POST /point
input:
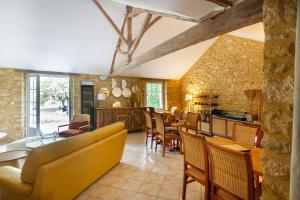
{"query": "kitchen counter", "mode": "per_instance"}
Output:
(235, 120)
(223, 127)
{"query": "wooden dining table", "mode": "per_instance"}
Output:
(255, 153)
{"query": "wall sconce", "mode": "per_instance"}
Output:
(188, 97)
(101, 97)
(103, 93)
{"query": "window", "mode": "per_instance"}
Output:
(154, 95)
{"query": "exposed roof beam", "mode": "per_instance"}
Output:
(153, 22)
(243, 14)
(129, 31)
(223, 3)
(101, 9)
(135, 12)
(190, 19)
(117, 47)
(141, 33)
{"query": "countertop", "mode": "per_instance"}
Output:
(246, 122)
(105, 108)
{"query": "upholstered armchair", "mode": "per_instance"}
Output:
(80, 123)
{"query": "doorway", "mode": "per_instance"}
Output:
(48, 104)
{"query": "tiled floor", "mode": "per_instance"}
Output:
(143, 175)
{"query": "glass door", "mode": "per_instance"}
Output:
(33, 118)
(48, 103)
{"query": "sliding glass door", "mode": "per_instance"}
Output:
(48, 103)
(33, 118)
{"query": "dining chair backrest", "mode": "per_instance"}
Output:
(151, 110)
(184, 115)
(195, 153)
(192, 121)
(148, 119)
(178, 115)
(246, 135)
(231, 173)
(160, 126)
(173, 109)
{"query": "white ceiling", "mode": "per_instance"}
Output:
(72, 36)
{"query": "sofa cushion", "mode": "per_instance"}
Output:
(47, 153)
(109, 130)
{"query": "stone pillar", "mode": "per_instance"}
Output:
(279, 20)
(295, 161)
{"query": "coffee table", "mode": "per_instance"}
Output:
(11, 158)
(11, 153)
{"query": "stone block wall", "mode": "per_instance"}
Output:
(278, 89)
(98, 84)
(229, 67)
(12, 104)
(173, 94)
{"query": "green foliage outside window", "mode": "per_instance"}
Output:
(55, 90)
(154, 95)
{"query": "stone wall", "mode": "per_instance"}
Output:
(279, 24)
(228, 68)
(98, 84)
(172, 94)
(12, 104)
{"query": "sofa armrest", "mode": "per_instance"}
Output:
(10, 178)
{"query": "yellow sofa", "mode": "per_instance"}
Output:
(61, 170)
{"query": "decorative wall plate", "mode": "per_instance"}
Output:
(117, 92)
(113, 83)
(123, 83)
(126, 92)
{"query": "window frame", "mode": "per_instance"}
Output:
(162, 83)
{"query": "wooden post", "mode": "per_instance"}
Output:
(295, 160)
(98, 5)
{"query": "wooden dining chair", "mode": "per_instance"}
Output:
(191, 122)
(177, 121)
(165, 135)
(149, 128)
(195, 162)
(246, 135)
(232, 175)
(151, 110)
(178, 115)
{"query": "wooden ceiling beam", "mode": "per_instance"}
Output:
(153, 22)
(129, 31)
(243, 14)
(136, 12)
(141, 33)
(190, 19)
(117, 47)
(223, 3)
(111, 22)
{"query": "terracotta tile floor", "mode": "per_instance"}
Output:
(143, 174)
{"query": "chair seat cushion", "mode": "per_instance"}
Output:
(171, 129)
(70, 132)
(177, 124)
